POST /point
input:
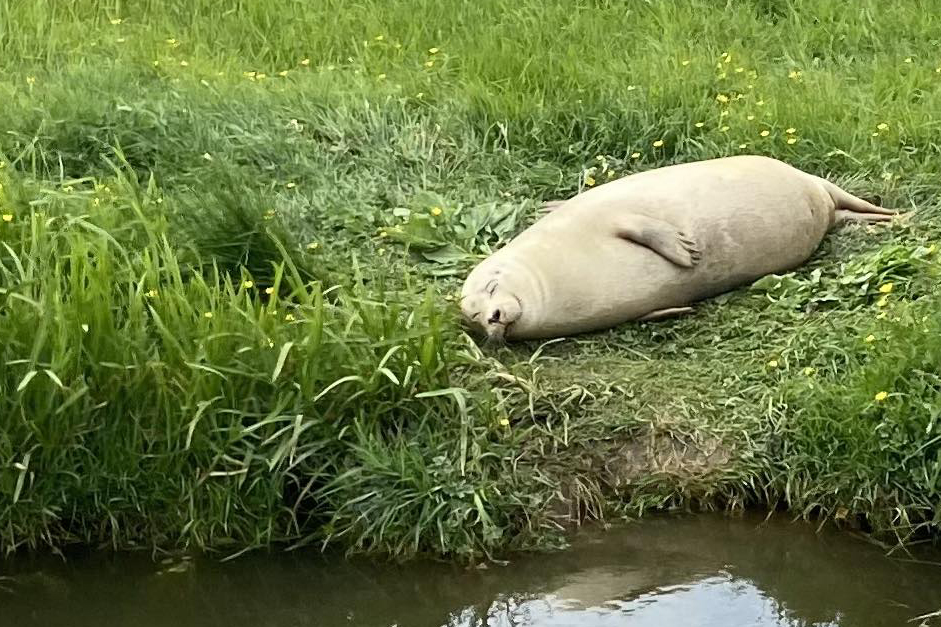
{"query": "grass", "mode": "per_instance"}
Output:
(164, 162)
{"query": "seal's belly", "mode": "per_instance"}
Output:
(748, 241)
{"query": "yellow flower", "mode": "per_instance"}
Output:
(635, 155)
(116, 21)
(385, 234)
(289, 318)
(908, 59)
(870, 338)
(875, 133)
(152, 294)
(750, 118)
(882, 126)
(381, 252)
(283, 73)
(589, 181)
(504, 422)
(433, 51)
(291, 185)
(882, 302)
(184, 63)
(420, 95)
(380, 37)
(8, 217)
(121, 40)
(790, 131)
(724, 113)
(172, 42)
(760, 103)
(208, 314)
(312, 246)
(85, 328)
(794, 74)
(739, 70)
(429, 63)
(207, 156)
(809, 371)
(248, 284)
(30, 80)
(436, 211)
(886, 288)
(305, 61)
(724, 129)
(792, 140)
(773, 363)
(881, 396)
(684, 62)
(610, 174)
(658, 143)
(765, 133)
(882, 316)
(260, 75)
(722, 98)
(269, 291)
(699, 124)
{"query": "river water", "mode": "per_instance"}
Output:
(713, 571)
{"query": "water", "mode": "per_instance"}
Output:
(694, 571)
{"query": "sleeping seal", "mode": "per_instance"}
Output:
(649, 245)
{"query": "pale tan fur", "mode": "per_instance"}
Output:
(648, 245)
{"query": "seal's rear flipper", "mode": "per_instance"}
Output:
(847, 202)
(660, 314)
(842, 216)
(661, 237)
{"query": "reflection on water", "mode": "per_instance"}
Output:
(693, 571)
(717, 600)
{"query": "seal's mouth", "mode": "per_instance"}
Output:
(496, 334)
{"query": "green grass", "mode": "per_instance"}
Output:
(153, 176)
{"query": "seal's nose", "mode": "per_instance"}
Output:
(494, 317)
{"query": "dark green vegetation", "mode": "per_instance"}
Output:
(165, 164)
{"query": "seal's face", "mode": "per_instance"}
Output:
(491, 311)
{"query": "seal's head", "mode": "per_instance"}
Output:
(490, 310)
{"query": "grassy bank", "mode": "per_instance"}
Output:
(231, 241)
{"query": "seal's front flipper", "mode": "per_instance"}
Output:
(660, 314)
(660, 237)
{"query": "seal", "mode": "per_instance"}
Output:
(651, 244)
